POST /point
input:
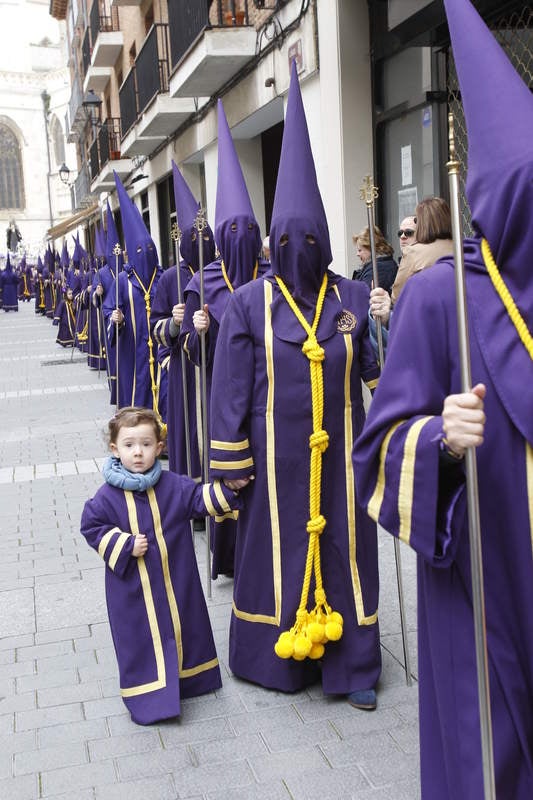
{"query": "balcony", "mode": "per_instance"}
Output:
(80, 190)
(208, 53)
(148, 114)
(105, 157)
(106, 37)
(76, 113)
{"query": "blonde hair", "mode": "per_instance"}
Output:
(383, 248)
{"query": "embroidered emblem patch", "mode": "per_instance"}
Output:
(346, 322)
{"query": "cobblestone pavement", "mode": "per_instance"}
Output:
(64, 731)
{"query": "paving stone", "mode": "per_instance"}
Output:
(44, 651)
(18, 702)
(143, 789)
(140, 742)
(214, 752)
(82, 731)
(71, 659)
(60, 634)
(18, 742)
(325, 784)
(294, 736)
(76, 693)
(11, 642)
(273, 790)
(16, 612)
(278, 765)
(161, 762)
(62, 780)
(176, 732)
(25, 787)
(42, 717)
(50, 758)
(220, 778)
(396, 767)
(106, 707)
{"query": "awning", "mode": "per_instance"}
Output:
(72, 222)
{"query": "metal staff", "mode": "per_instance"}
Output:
(176, 237)
(474, 525)
(116, 251)
(369, 194)
(200, 225)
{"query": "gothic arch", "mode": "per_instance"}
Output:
(11, 171)
(58, 140)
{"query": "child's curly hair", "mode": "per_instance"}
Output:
(130, 417)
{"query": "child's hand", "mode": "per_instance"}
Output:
(140, 545)
(238, 483)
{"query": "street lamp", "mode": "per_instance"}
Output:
(92, 104)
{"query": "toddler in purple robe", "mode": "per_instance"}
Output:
(139, 524)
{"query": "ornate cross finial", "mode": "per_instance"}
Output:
(453, 164)
(200, 222)
(368, 192)
(116, 249)
(175, 232)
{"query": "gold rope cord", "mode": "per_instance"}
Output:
(312, 629)
(227, 280)
(506, 298)
(151, 360)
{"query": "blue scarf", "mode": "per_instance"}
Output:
(117, 475)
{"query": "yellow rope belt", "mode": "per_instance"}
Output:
(227, 280)
(506, 298)
(312, 629)
(151, 360)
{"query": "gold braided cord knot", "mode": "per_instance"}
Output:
(312, 629)
(316, 525)
(320, 440)
(151, 359)
(507, 298)
(313, 350)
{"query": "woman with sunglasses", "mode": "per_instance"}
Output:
(433, 240)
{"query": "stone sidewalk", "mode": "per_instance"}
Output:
(64, 731)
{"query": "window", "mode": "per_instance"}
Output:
(145, 210)
(11, 176)
(58, 140)
(133, 54)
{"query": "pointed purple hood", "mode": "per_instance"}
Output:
(300, 249)
(236, 230)
(64, 262)
(498, 109)
(140, 247)
(186, 210)
(112, 240)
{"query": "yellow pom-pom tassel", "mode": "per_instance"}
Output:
(284, 647)
(317, 650)
(298, 657)
(333, 631)
(315, 632)
(336, 617)
(302, 646)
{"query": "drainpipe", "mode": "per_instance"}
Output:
(46, 111)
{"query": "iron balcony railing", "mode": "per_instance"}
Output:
(152, 65)
(147, 77)
(105, 147)
(129, 104)
(103, 18)
(81, 189)
(86, 51)
(187, 21)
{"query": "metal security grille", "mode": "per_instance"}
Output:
(514, 32)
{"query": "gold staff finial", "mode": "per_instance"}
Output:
(200, 222)
(175, 232)
(453, 164)
(116, 249)
(368, 192)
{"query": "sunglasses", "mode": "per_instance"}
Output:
(407, 232)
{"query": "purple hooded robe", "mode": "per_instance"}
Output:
(418, 494)
(239, 241)
(157, 612)
(262, 425)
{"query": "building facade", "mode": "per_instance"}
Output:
(34, 91)
(377, 81)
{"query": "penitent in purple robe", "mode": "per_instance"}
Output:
(65, 319)
(165, 300)
(262, 427)
(402, 480)
(134, 368)
(105, 277)
(157, 611)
